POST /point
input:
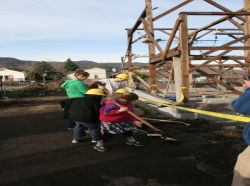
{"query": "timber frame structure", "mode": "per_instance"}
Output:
(182, 53)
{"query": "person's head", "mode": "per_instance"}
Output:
(121, 91)
(121, 77)
(95, 91)
(246, 81)
(81, 74)
(129, 97)
(97, 84)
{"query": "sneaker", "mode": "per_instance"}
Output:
(77, 141)
(135, 143)
(100, 148)
(94, 141)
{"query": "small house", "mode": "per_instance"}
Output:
(8, 75)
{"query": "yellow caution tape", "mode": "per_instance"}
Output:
(204, 112)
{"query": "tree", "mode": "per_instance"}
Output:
(44, 69)
(70, 66)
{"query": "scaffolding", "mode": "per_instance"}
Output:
(180, 57)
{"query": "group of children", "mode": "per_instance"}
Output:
(95, 108)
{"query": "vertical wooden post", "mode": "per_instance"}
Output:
(220, 70)
(122, 64)
(151, 47)
(247, 32)
(177, 77)
(129, 53)
(184, 55)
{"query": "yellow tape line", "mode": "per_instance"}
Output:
(209, 113)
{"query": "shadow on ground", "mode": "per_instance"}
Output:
(36, 150)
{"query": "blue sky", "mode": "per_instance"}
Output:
(54, 30)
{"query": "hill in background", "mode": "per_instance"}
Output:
(59, 66)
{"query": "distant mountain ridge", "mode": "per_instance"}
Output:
(26, 65)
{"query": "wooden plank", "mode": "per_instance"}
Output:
(172, 9)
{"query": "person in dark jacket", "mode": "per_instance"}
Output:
(75, 89)
(242, 167)
(85, 112)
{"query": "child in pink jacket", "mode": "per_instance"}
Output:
(116, 120)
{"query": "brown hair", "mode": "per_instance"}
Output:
(129, 97)
(81, 72)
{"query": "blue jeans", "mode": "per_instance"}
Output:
(94, 129)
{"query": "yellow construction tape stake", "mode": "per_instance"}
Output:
(209, 113)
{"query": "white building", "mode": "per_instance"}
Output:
(94, 73)
(11, 75)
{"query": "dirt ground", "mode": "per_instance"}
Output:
(36, 150)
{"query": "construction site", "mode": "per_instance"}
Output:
(191, 134)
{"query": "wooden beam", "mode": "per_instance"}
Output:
(151, 47)
(139, 38)
(172, 9)
(200, 57)
(184, 55)
(193, 29)
(220, 48)
(171, 38)
(223, 8)
(138, 22)
(247, 32)
(224, 45)
(129, 51)
(150, 34)
(239, 62)
(212, 24)
(172, 53)
(194, 37)
(218, 81)
(165, 32)
(209, 61)
(216, 13)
